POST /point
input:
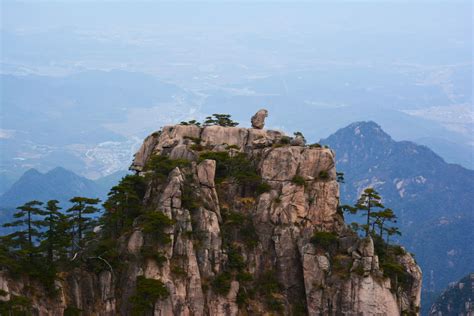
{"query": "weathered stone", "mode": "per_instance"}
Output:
(206, 171)
(258, 120)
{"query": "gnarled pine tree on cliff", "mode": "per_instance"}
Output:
(221, 220)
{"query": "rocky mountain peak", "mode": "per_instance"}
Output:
(360, 131)
(248, 225)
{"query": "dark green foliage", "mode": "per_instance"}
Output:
(221, 120)
(191, 122)
(147, 293)
(340, 177)
(221, 283)
(315, 145)
(392, 268)
(237, 167)
(235, 260)
(104, 249)
(298, 180)
(197, 143)
(55, 240)
(123, 205)
(299, 309)
(263, 188)
(156, 223)
(189, 199)
(268, 286)
(16, 306)
(238, 227)
(323, 174)
(178, 271)
(368, 202)
(27, 217)
(325, 240)
(285, 140)
(82, 224)
(161, 166)
(72, 311)
(149, 252)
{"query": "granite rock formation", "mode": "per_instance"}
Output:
(238, 249)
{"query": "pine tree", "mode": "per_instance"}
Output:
(29, 223)
(82, 206)
(56, 239)
(221, 120)
(391, 231)
(382, 218)
(368, 202)
(124, 203)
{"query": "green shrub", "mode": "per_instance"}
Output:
(221, 120)
(298, 180)
(325, 240)
(17, 305)
(189, 200)
(239, 227)
(155, 223)
(162, 165)
(285, 140)
(315, 145)
(221, 283)
(147, 293)
(235, 259)
(269, 287)
(263, 188)
(237, 166)
(191, 122)
(324, 175)
(178, 271)
(149, 252)
(72, 311)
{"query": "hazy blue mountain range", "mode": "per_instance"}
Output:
(59, 184)
(433, 199)
(457, 299)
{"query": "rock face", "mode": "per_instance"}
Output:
(238, 249)
(258, 120)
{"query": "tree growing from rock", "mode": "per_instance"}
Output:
(29, 224)
(55, 239)
(221, 120)
(368, 202)
(82, 206)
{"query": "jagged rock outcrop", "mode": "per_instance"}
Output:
(241, 242)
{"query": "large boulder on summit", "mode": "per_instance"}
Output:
(258, 120)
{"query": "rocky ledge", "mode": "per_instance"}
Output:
(255, 231)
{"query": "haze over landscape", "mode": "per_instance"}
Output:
(128, 68)
(84, 82)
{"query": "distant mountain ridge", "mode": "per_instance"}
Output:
(59, 183)
(433, 199)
